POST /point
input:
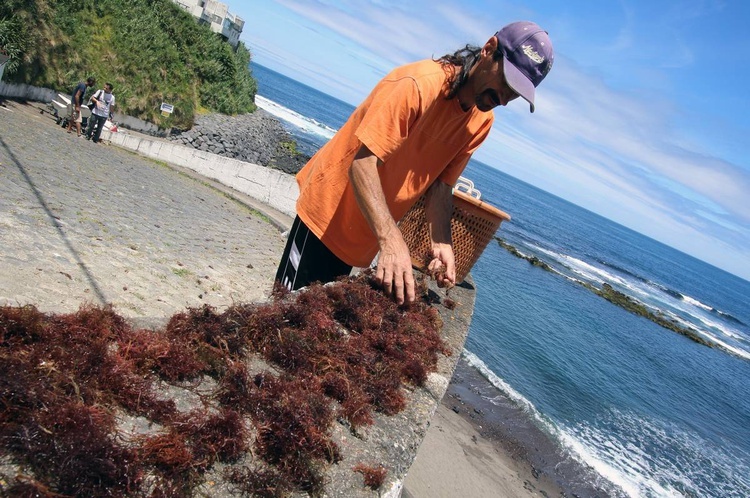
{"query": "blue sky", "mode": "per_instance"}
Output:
(644, 118)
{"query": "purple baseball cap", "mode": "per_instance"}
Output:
(527, 57)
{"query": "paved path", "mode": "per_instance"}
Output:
(83, 222)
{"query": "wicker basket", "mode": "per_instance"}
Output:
(473, 225)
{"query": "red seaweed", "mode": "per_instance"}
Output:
(219, 436)
(263, 483)
(27, 487)
(343, 350)
(373, 476)
(168, 453)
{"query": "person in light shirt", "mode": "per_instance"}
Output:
(105, 103)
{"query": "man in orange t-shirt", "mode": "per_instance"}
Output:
(413, 135)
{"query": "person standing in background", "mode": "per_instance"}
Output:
(105, 102)
(76, 100)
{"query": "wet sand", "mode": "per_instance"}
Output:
(482, 444)
(466, 453)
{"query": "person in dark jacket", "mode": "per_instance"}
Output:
(76, 102)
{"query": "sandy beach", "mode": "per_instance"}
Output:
(467, 453)
(456, 460)
(464, 453)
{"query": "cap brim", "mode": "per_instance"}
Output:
(518, 82)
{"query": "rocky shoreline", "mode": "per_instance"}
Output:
(622, 300)
(257, 138)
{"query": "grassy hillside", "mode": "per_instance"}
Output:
(150, 50)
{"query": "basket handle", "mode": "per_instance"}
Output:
(467, 186)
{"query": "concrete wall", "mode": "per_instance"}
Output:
(137, 124)
(272, 187)
(23, 91)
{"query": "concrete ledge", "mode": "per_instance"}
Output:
(22, 91)
(395, 440)
(269, 186)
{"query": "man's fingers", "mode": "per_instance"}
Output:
(388, 286)
(450, 269)
(379, 272)
(398, 288)
(386, 281)
(435, 264)
(450, 275)
(409, 287)
(396, 279)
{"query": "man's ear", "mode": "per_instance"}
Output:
(490, 47)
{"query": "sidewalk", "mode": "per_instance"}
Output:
(84, 222)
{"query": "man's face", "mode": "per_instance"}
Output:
(107, 89)
(487, 81)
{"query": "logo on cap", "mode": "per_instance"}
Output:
(532, 54)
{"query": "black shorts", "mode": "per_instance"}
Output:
(306, 260)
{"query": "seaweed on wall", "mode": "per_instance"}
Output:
(335, 352)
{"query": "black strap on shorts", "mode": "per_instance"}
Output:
(306, 260)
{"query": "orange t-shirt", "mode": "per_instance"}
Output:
(417, 134)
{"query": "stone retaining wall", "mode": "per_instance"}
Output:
(255, 138)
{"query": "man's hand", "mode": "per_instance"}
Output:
(394, 268)
(443, 265)
(394, 263)
(438, 210)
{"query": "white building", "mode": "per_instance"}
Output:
(216, 14)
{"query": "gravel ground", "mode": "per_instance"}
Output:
(83, 222)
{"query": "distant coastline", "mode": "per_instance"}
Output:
(619, 299)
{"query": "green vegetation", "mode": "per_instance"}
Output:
(150, 50)
(182, 272)
(626, 302)
(289, 146)
(12, 41)
(617, 298)
(531, 259)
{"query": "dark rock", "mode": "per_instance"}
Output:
(257, 138)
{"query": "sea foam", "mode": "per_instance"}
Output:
(306, 124)
(685, 310)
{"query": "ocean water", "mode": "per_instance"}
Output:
(645, 411)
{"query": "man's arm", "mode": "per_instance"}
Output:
(78, 98)
(394, 263)
(438, 212)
